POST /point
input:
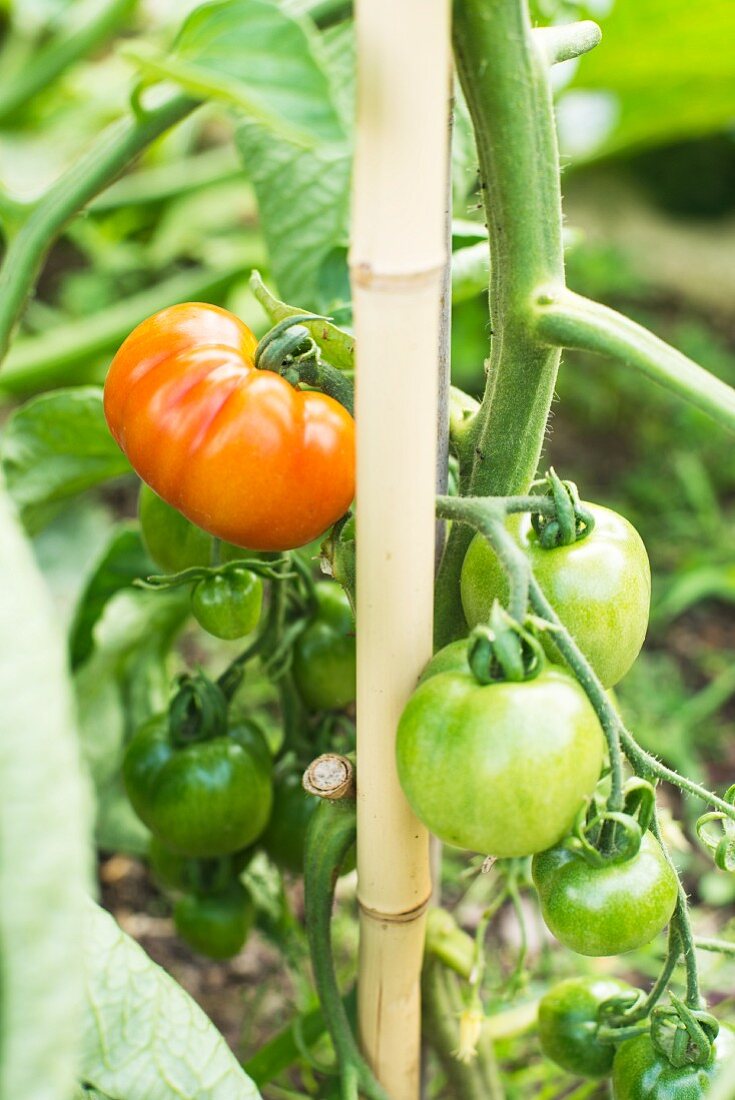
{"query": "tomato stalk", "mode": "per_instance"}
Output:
(505, 78)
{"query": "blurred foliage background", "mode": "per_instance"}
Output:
(647, 134)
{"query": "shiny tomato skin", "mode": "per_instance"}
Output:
(606, 910)
(173, 543)
(216, 925)
(641, 1073)
(325, 654)
(239, 451)
(600, 587)
(503, 768)
(567, 1024)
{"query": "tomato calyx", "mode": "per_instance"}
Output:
(504, 650)
(570, 522)
(603, 836)
(717, 833)
(683, 1035)
(289, 349)
(197, 712)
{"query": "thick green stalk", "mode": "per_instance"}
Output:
(504, 75)
(27, 249)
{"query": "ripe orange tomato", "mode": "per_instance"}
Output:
(239, 451)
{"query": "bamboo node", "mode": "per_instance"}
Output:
(365, 275)
(404, 917)
(330, 776)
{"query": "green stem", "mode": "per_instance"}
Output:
(681, 923)
(585, 674)
(446, 941)
(120, 144)
(488, 517)
(442, 1004)
(322, 376)
(330, 835)
(723, 947)
(649, 767)
(67, 354)
(505, 78)
(564, 319)
(64, 49)
(673, 954)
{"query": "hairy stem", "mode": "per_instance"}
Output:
(25, 254)
(565, 319)
(681, 924)
(504, 74)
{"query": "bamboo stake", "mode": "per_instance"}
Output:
(397, 258)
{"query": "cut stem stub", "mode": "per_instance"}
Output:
(330, 776)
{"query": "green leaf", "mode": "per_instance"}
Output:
(257, 58)
(124, 561)
(338, 346)
(125, 679)
(55, 446)
(303, 198)
(303, 194)
(144, 1038)
(662, 72)
(44, 854)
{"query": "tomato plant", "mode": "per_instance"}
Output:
(230, 792)
(173, 543)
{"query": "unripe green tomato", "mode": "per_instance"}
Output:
(608, 909)
(324, 657)
(451, 658)
(567, 1024)
(208, 798)
(640, 1072)
(501, 768)
(600, 587)
(228, 605)
(216, 925)
(285, 835)
(173, 543)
